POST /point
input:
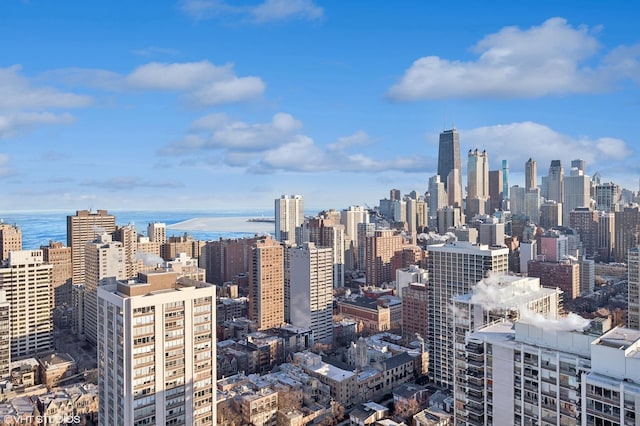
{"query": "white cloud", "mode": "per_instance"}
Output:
(15, 123)
(202, 83)
(267, 11)
(513, 63)
(5, 167)
(19, 94)
(505, 142)
(278, 10)
(279, 145)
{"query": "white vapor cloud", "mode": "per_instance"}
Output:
(280, 145)
(267, 11)
(148, 259)
(549, 59)
(495, 292)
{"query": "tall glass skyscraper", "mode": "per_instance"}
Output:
(449, 155)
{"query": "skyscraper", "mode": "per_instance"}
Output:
(5, 336)
(437, 199)
(82, 228)
(266, 284)
(157, 232)
(530, 174)
(10, 239)
(577, 193)
(627, 232)
(448, 154)
(157, 351)
(505, 179)
(477, 182)
(495, 191)
(380, 249)
(311, 290)
(633, 291)
(104, 264)
(324, 232)
(453, 269)
(289, 214)
(59, 256)
(555, 181)
(26, 279)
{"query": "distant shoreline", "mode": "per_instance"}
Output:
(224, 224)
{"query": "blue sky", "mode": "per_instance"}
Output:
(221, 105)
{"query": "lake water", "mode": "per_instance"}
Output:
(38, 228)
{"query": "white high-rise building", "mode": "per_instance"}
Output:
(453, 268)
(5, 336)
(157, 232)
(289, 214)
(311, 290)
(551, 372)
(105, 262)
(633, 288)
(437, 199)
(157, 351)
(577, 193)
(495, 299)
(350, 218)
(26, 280)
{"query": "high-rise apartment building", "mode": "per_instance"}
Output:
(577, 193)
(289, 214)
(380, 249)
(453, 269)
(627, 232)
(266, 284)
(5, 336)
(585, 222)
(532, 204)
(555, 182)
(105, 263)
(633, 288)
(225, 259)
(157, 351)
(82, 228)
(26, 279)
(551, 214)
(449, 155)
(530, 174)
(530, 370)
(454, 188)
(324, 232)
(59, 257)
(350, 218)
(437, 199)
(493, 300)
(157, 232)
(605, 236)
(415, 310)
(495, 191)
(10, 239)
(607, 196)
(365, 230)
(563, 275)
(311, 290)
(128, 236)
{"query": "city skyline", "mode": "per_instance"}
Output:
(192, 103)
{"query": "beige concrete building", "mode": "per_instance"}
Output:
(5, 335)
(10, 239)
(128, 236)
(27, 282)
(82, 228)
(55, 368)
(157, 351)
(59, 257)
(266, 284)
(157, 232)
(104, 264)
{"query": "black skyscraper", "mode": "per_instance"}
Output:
(449, 155)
